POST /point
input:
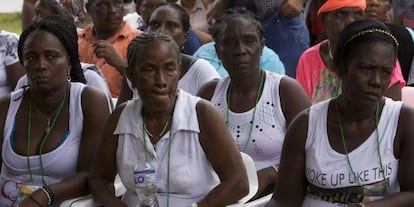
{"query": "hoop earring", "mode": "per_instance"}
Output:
(68, 76)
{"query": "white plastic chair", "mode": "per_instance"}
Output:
(407, 95)
(87, 201)
(261, 202)
(252, 178)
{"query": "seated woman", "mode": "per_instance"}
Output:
(46, 153)
(93, 75)
(269, 60)
(354, 149)
(172, 19)
(145, 8)
(183, 136)
(258, 105)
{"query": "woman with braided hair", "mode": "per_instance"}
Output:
(50, 128)
(183, 137)
(354, 149)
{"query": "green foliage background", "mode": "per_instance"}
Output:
(11, 22)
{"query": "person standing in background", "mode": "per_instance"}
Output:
(10, 68)
(73, 7)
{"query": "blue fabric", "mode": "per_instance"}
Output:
(192, 43)
(288, 37)
(269, 61)
(190, 46)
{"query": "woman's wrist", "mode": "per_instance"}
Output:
(38, 197)
(30, 197)
(49, 194)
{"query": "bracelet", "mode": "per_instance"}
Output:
(276, 168)
(34, 200)
(49, 194)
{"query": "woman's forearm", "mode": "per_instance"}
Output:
(103, 192)
(401, 199)
(225, 194)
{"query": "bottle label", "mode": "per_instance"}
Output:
(144, 176)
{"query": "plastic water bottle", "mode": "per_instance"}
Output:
(146, 185)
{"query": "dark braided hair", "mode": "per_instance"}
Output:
(221, 23)
(66, 33)
(138, 44)
(358, 32)
(185, 18)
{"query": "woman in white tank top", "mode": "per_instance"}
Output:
(258, 105)
(50, 128)
(355, 149)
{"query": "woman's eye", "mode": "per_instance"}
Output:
(51, 57)
(29, 58)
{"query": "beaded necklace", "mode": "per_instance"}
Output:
(144, 131)
(346, 150)
(254, 109)
(45, 137)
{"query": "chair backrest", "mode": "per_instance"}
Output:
(407, 95)
(252, 177)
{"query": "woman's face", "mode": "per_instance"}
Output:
(147, 6)
(335, 21)
(47, 65)
(240, 46)
(377, 10)
(167, 20)
(156, 73)
(368, 71)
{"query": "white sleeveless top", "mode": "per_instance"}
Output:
(265, 145)
(57, 164)
(328, 169)
(200, 72)
(191, 175)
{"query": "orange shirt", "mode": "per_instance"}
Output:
(120, 41)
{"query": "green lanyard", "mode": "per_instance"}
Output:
(254, 109)
(346, 150)
(45, 137)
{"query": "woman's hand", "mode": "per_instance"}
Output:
(267, 179)
(35, 199)
(105, 49)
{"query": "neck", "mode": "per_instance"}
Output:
(186, 64)
(246, 85)
(47, 103)
(103, 35)
(355, 112)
